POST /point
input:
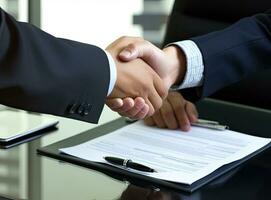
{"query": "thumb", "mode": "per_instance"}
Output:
(130, 52)
(127, 55)
(149, 53)
(143, 49)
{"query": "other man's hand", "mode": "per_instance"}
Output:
(176, 112)
(169, 63)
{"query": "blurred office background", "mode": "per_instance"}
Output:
(97, 22)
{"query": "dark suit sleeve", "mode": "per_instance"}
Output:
(42, 73)
(235, 52)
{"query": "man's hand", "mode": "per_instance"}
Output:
(128, 107)
(170, 64)
(135, 79)
(176, 112)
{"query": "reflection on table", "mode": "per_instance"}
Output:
(26, 175)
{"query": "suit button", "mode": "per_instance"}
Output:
(86, 112)
(80, 109)
(73, 108)
(87, 109)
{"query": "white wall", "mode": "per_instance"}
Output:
(92, 21)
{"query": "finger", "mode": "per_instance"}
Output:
(149, 121)
(151, 108)
(178, 104)
(142, 113)
(155, 100)
(153, 95)
(139, 103)
(168, 115)
(158, 119)
(115, 103)
(192, 112)
(128, 103)
(160, 86)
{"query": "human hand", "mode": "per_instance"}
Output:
(169, 64)
(135, 79)
(176, 112)
(129, 107)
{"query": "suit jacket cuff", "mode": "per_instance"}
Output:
(113, 72)
(194, 62)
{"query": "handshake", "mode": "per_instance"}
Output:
(144, 75)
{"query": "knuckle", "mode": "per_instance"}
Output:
(132, 46)
(151, 112)
(164, 93)
(139, 39)
(158, 104)
(124, 38)
(190, 106)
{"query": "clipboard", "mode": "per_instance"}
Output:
(53, 152)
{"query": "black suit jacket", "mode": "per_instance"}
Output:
(235, 52)
(42, 73)
(191, 18)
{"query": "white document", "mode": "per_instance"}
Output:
(182, 157)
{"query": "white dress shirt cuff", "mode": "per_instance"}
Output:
(194, 65)
(113, 73)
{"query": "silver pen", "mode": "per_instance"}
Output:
(210, 124)
(200, 123)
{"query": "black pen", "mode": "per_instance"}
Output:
(128, 163)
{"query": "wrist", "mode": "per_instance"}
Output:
(177, 64)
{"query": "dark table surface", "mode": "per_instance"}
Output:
(26, 175)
